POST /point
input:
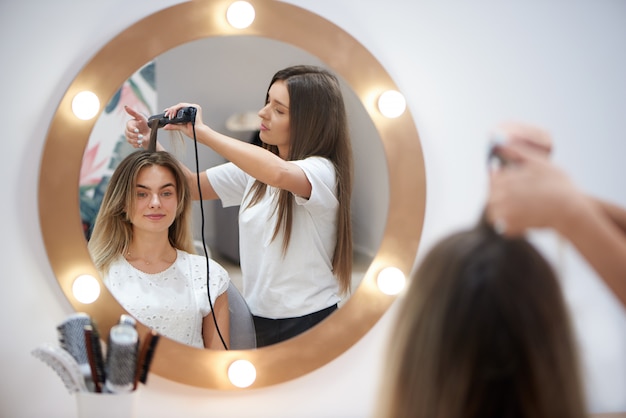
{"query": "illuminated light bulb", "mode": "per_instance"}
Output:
(240, 14)
(86, 289)
(391, 104)
(241, 373)
(85, 105)
(391, 280)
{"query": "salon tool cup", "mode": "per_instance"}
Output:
(79, 358)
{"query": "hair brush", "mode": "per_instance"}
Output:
(64, 365)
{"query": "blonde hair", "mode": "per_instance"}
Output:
(483, 331)
(113, 232)
(318, 127)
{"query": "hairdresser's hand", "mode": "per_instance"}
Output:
(137, 130)
(186, 128)
(524, 138)
(532, 193)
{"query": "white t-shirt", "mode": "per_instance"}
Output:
(172, 302)
(301, 281)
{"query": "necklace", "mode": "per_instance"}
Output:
(147, 262)
(129, 257)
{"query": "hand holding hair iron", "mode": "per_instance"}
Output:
(184, 115)
(494, 158)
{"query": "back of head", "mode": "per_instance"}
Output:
(483, 331)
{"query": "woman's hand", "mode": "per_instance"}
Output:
(137, 129)
(531, 193)
(525, 138)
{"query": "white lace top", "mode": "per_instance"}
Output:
(172, 302)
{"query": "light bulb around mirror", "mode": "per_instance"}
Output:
(86, 289)
(391, 280)
(241, 373)
(85, 105)
(240, 14)
(391, 104)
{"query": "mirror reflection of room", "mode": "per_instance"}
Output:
(294, 195)
(141, 92)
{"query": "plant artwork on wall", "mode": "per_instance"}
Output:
(107, 144)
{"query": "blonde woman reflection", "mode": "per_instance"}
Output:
(142, 245)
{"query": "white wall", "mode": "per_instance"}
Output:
(464, 66)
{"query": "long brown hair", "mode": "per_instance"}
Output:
(113, 232)
(483, 331)
(318, 127)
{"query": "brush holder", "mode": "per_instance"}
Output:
(105, 405)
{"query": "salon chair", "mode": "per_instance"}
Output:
(242, 332)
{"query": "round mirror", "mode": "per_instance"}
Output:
(68, 136)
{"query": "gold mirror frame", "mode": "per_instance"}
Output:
(143, 41)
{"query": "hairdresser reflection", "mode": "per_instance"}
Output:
(143, 247)
(294, 196)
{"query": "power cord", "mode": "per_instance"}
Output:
(204, 247)
(188, 115)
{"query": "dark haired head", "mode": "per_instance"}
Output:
(484, 332)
